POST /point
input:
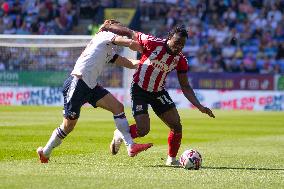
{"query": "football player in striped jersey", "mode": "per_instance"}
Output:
(159, 57)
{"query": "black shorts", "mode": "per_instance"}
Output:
(160, 101)
(76, 93)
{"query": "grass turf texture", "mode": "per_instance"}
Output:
(240, 149)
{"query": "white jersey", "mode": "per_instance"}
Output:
(93, 59)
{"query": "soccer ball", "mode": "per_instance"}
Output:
(191, 159)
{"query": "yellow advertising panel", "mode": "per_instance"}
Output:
(123, 15)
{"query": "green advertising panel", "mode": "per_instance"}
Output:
(280, 83)
(113, 78)
(33, 78)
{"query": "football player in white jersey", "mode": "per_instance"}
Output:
(82, 87)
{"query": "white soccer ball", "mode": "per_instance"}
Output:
(191, 159)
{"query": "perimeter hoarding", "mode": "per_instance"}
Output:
(280, 82)
(33, 78)
(225, 81)
(217, 99)
(233, 100)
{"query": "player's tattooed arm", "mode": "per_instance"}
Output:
(190, 95)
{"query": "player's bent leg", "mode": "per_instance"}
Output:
(110, 103)
(69, 125)
(142, 125)
(56, 139)
(172, 119)
(133, 131)
(141, 128)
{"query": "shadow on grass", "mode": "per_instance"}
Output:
(162, 166)
(233, 168)
(245, 168)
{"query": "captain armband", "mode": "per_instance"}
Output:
(113, 58)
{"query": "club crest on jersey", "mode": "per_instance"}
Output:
(73, 115)
(155, 52)
(139, 108)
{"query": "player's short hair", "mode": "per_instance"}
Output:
(117, 28)
(180, 30)
(112, 21)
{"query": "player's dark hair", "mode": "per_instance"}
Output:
(118, 29)
(180, 30)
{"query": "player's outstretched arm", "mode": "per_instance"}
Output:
(190, 95)
(128, 63)
(117, 28)
(133, 45)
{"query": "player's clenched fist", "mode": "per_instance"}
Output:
(207, 111)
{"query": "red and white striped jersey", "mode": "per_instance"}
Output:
(156, 63)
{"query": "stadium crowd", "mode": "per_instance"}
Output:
(43, 17)
(39, 17)
(226, 35)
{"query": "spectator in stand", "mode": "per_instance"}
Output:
(216, 68)
(5, 7)
(277, 69)
(252, 68)
(43, 12)
(280, 51)
(257, 27)
(266, 67)
(2, 27)
(37, 16)
(9, 28)
(230, 17)
(90, 8)
(63, 21)
(274, 14)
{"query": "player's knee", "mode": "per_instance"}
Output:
(118, 108)
(72, 115)
(69, 126)
(142, 132)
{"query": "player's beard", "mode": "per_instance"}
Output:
(170, 51)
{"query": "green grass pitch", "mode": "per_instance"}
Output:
(240, 149)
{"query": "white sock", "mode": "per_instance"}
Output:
(171, 159)
(55, 140)
(123, 126)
